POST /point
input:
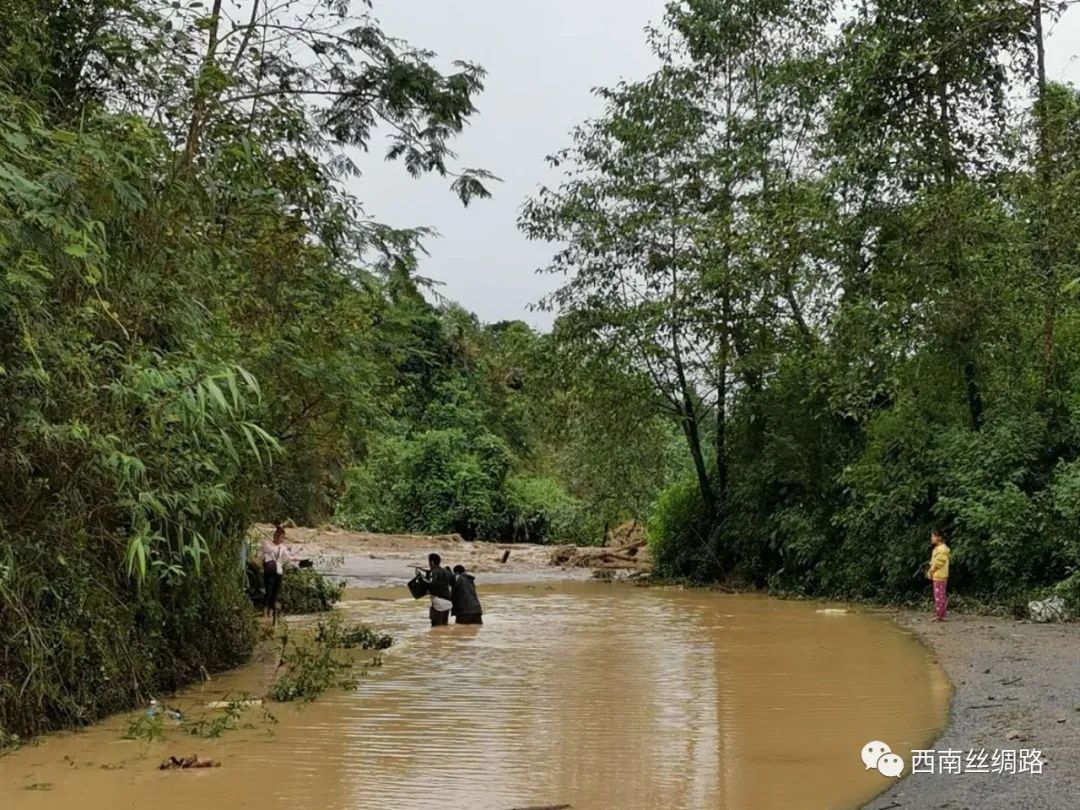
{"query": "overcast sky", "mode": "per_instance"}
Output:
(543, 58)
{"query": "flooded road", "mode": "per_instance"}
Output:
(595, 696)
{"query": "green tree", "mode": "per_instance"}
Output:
(191, 317)
(659, 211)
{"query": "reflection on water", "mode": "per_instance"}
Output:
(596, 696)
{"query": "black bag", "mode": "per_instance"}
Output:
(418, 587)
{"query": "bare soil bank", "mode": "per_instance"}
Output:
(366, 559)
(1012, 680)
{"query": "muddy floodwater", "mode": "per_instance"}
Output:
(596, 696)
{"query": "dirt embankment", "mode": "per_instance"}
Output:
(1017, 685)
(365, 558)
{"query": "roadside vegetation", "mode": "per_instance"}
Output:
(200, 328)
(317, 663)
(304, 590)
(837, 244)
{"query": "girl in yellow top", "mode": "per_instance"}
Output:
(938, 573)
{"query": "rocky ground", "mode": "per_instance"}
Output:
(1016, 685)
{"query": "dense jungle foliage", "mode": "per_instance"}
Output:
(199, 328)
(841, 241)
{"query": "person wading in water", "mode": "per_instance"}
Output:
(467, 609)
(439, 581)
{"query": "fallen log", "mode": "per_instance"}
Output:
(243, 704)
(627, 556)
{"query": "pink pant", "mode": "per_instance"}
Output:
(941, 600)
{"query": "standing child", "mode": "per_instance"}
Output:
(938, 573)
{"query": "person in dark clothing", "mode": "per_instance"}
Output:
(440, 581)
(467, 608)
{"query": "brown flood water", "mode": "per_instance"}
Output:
(596, 696)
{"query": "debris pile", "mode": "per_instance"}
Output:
(632, 555)
(183, 763)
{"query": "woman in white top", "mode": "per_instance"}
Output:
(275, 555)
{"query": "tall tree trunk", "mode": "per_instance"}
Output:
(690, 419)
(1044, 260)
(201, 97)
(692, 432)
(973, 392)
(691, 425)
(966, 340)
(720, 441)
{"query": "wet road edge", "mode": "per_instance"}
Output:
(1010, 679)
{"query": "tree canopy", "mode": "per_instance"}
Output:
(835, 241)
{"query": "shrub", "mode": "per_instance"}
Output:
(145, 727)
(679, 535)
(311, 670)
(1069, 590)
(9, 740)
(228, 719)
(312, 667)
(540, 510)
(360, 636)
(105, 643)
(446, 480)
(305, 590)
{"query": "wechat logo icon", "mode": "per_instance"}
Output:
(878, 756)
